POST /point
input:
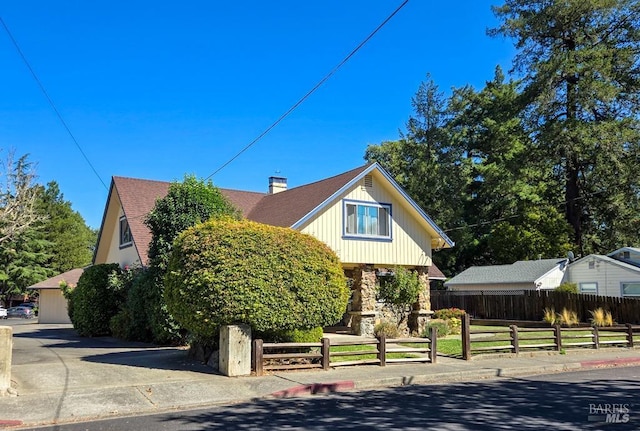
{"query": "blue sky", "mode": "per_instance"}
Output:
(159, 89)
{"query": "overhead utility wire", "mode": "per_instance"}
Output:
(310, 92)
(484, 223)
(53, 106)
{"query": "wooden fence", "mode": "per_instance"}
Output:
(530, 304)
(508, 337)
(292, 356)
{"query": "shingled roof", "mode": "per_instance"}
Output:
(138, 197)
(522, 271)
(285, 208)
(70, 277)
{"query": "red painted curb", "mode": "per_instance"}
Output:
(315, 388)
(7, 423)
(609, 362)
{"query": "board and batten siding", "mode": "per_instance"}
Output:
(410, 244)
(607, 275)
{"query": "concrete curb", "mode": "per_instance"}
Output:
(610, 362)
(314, 388)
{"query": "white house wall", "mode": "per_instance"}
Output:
(608, 276)
(552, 279)
(410, 244)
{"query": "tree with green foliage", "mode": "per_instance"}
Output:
(468, 161)
(71, 240)
(24, 262)
(96, 300)
(426, 165)
(581, 82)
(186, 204)
(271, 278)
(511, 206)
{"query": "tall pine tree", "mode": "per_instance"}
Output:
(580, 62)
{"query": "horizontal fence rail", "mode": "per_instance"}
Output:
(359, 351)
(530, 304)
(511, 338)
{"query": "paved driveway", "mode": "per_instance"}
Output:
(52, 358)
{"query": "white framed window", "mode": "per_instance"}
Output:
(125, 233)
(367, 220)
(589, 288)
(630, 288)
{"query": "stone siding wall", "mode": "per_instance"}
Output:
(366, 311)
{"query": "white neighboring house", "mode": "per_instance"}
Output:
(542, 274)
(616, 274)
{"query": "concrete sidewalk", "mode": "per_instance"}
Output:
(60, 377)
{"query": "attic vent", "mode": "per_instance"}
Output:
(368, 181)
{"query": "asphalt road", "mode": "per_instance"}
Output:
(565, 401)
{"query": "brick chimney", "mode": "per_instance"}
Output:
(277, 185)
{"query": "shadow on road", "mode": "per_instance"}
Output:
(522, 404)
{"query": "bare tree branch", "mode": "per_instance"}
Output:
(18, 196)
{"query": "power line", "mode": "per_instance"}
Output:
(310, 92)
(53, 106)
(484, 223)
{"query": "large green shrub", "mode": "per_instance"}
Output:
(294, 336)
(567, 287)
(95, 300)
(145, 316)
(402, 287)
(133, 321)
(441, 325)
(274, 279)
(388, 329)
(399, 290)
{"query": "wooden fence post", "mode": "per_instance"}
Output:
(466, 337)
(558, 333)
(257, 357)
(382, 350)
(596, 338)
(630, 335)
(514, 339)
(433, 351)
(325, 351)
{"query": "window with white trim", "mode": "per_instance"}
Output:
(631, 288)
(125, 233)
(589, 288)
(367, 220)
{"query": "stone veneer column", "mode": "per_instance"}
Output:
(363, 305)
(421, 308)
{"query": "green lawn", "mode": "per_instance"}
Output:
(361, 348)
(452, 344)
